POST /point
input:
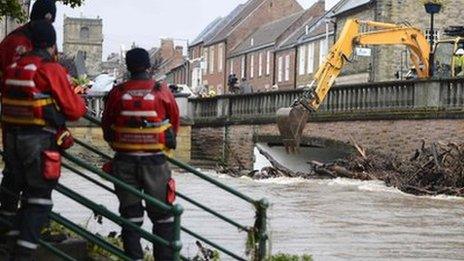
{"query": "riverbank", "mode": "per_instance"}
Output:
(432, 170)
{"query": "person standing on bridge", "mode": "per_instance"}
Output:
(140, 122)
(37, 99)
(15, 45)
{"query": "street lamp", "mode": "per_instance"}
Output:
(432, 7)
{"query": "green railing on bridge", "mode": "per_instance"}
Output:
(258, 230)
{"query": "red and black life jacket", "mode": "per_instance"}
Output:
(139, 127)
(23, 104)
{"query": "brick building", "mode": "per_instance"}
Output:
(253, 59)
(268, 56)
(165, 58)
(385, 61)
(179, 74)
(231, 31)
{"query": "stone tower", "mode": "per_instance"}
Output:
(84, 35)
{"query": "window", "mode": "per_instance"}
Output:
(323, 51)
(211, 60)
(287, 68)
(280, 69)
(268, 63)
(252, 66)
(302, 60)
(220, 57)
(85, 33)
(260, 65)
(243, 67)
(204, 65)
(310, 67)
(252, 41)
(231, 66)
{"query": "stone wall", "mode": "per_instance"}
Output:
(358, 64)
(396, 137)
(85, 35)
(386, 60)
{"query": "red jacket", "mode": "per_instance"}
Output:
(167, 108)
(16, 44)
(52, 78)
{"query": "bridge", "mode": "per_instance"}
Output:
(390, 117)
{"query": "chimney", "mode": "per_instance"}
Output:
(167, 48)
(179, 51)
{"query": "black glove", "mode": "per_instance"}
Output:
(170, 136)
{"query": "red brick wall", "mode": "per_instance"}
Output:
(217, 79)
(290, 83)
(268, 11)
(260, 83)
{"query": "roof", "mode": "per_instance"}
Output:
(237, 15)
(347, 5)
(207, 31)
(266, 34)
(301, 32)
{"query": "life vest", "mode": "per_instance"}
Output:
(23, 104)
(139, 126)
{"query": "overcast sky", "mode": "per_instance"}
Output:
(146, 21)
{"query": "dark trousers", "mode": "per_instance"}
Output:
(150, 174)
(23, 156)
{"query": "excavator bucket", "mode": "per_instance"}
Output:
(291, 122)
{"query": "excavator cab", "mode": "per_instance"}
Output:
(446, 57)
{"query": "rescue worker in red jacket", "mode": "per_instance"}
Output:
(37, 99)
(140, 121)
(16, 44)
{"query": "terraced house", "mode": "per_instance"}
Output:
(221, 37)
(255, 58)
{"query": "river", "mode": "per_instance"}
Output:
(330, 219)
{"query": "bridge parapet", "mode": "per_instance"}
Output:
(359, 101)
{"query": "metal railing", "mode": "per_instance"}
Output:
(258, 230)
(175, 210)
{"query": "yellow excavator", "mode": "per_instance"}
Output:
(292, 120)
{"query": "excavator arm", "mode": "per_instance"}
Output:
(291, 121)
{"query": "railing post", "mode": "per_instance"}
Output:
(223, 107)
(427, 94)
(177, 243)
(261, 226)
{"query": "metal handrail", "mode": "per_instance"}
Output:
(42, 243)
(260, 206)
(74, 228)
(176, 210)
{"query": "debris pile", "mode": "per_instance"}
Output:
(433, 170)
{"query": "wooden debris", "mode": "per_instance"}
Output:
(438, 169)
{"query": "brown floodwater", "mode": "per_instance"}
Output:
(331, 219)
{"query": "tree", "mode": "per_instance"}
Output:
(17, 9)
